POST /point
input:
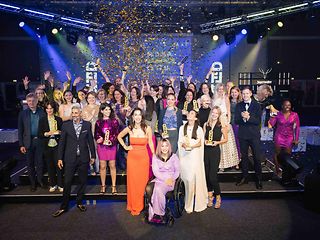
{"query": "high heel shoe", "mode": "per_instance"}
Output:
(210, 201)
(103, 189)
(217, 205)
(114, 190)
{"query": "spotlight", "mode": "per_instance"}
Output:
(21, 24)
(230, 37)
(280, 24)
(52, 38)
(215, 37)
(54, 31)
(90, 38)
(244, 31)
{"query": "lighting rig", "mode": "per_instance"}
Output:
(257, 16)
(52, 17)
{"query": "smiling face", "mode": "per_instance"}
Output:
(205, 89)
(171, 100)
(286, 106)
(192, 87)
(32, 102)
(68, 97)
(40, 94)
(117, 96)
(215, 114)
(164, 147)
(205, 101)
(76, 114)
(192, 116)
(189, 96)
(234, 94)
(101, 96)
(220, 90)
(49, 110)
(106, 112)
(81, 95)
(137, 116)
(91, 99)
(246, 95)
(153, 93)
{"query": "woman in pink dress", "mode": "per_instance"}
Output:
(287, 129)
(106, 132)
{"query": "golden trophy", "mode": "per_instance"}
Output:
(165, 131)
(195, 105)
(156, 127)
(126, 102)
(185, 106)
(106, 139)
(187, 143)
(210, 137)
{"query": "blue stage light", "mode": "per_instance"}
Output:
(21, 24)
(244, 31)
(90, 38)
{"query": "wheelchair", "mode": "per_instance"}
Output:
(174, 203)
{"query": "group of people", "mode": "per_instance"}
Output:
(152, 132)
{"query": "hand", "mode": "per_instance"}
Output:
(128, 148)
(184, 145)
(214, 143)
(189, 79)
(26, 81)
(295, 143)
(68, 74)
(172, 79)
(65, 85)
(212, 69)
(23, 150)
(169, 182)
(184, 112)
(100, 140)
(181, 67)
(125, 68)
(60, 164)
(77, 80)
(92, 161)
(46, 75)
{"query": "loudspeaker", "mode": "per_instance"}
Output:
(290, 168)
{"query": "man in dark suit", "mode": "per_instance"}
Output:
(28, 123)
(248, 117)
(73, 153)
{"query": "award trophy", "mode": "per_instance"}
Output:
(106, 139)
(126, 102)
(187, 142)
(195, 105)
(185, 106)
(156, 127)
(165, 131)
(210, 137)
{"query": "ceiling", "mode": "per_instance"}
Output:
(151, 15)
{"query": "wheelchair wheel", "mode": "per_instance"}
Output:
(179, 195)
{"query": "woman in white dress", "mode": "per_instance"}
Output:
(229, 153)
(190, 147)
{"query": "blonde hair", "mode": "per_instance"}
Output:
(210, 120)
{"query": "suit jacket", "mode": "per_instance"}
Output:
(44, 127)
(24, 126)
(251, 128)
(67, 148)
(161, 115)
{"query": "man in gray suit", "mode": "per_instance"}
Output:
(29, 142)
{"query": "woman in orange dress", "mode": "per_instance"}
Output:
(140, 134)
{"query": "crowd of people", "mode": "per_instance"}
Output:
(155, 132)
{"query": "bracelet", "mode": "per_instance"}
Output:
(123, 70)
(181, 75)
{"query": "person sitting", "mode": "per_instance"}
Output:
(166, 169)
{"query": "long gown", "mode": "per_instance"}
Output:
(192, 171)
(137, 174)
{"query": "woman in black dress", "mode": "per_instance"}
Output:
(213, 132)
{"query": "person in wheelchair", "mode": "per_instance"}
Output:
(166, 169)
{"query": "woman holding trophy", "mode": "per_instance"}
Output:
(213, 132)
(106, 132)
(192, 171)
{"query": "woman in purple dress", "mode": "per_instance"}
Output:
(287, 129)
(106, 132)
(165, 167)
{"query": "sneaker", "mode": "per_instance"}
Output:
(60, 189)
(52, 189)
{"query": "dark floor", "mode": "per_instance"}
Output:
(237, 219)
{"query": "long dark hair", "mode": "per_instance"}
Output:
(143, 122)
(200, 93)
(166, 90)
(122, 95)
(195, 127)
(104, 106)
(150, 107)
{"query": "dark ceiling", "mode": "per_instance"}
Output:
(152, 15)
